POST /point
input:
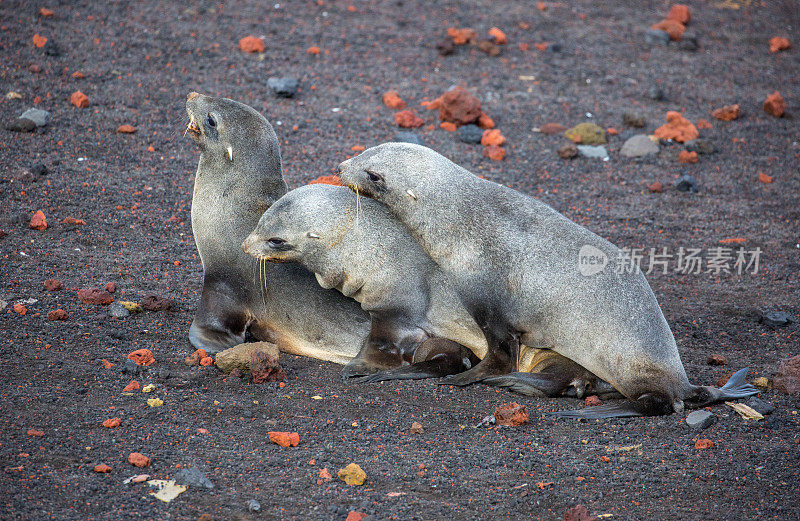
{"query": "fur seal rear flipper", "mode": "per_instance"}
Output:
(515, 264)
(238, 177)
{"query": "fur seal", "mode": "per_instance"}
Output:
(357, 247)
(513, 261)
(238, 178)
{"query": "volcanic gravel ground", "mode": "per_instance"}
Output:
(140, 59)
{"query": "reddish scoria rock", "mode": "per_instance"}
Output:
(511, 414)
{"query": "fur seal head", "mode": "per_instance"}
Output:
(290, 230)
(227, 130)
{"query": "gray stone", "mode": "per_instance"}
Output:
(554, 47)
(633, 119)
(656, 37)
(239, 356)
(130, 367)
(283, 87)
(470, 134)
(699, 145)
(774, 318)
(591, 151)
(253, 506)
(39, 169)
(38, 116)
(655, 93)
(687, 183)
(3, 304)
(407, 137)
(761, 406)
(192, 477)
(21, 125)
(115, 309)
(700, 420)
(639, 145)
(568, 151)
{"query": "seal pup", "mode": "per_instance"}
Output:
(238, 178)
(357, 247)
(514, 262)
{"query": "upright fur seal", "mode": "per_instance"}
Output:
(514, 261)
(360, 249)
(238, 178)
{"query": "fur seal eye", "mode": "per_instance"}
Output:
(373, 176)
(276, 242)
(211, 121)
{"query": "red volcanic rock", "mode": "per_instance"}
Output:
(450, 127)
(592, 401)
(677, 128)
(679, 13)
(57, 314)
(408, 119)
(95, 297)
(133, 386)
(142, 357)
(73, 221)
(788, 378)
(251, 44)
(716, 359)
(552, 128)
(38, 221)
(112, 423)
(156, 303)
(265, 368)
(138, 460)
(673, 28)
(494, 152)
(774, 105)
(126, 129)
(79, 99)
(492, 137)
(484, 121)
(726, 113)
(498, 36)
(39, 41)
(52, 285)
(703, 124)
(459, 106)
(102, 468)
(461, 36)
(393, 100)
(284, 439)
(687, 157)
(656, 187)
(777, 44)
(511, 414)
(703, 444)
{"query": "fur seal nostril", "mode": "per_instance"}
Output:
(513, 261)
(238, 178)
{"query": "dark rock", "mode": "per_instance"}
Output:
(687, 183)
(688, 43)
(21, 125)
(633, 119)
(716, 360)
(700, 420)
(408, 137)
(50, 48)
(787, 380)
(774, 318)
(192, 477)
(699, 145)
(283, 87)
(164, 373)
(554, 47)
(470, 134)
(655, 93)
(39, 169)
(265, 368)
(761, 406)
(488, 47)
(445, 47)
(656, 37)
(130, 367)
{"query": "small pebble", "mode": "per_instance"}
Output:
(283, 87)
(655, 93)
(21, 125)
(761, 406)
(700, 420)
(253, 506)
(471, 134)
(118, 310)
(774, 318)
(656, 37)
(38, 116)
(594, 152)
(687, 183)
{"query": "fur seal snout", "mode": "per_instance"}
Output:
(513, 263)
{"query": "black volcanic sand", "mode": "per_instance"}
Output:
(140, 59)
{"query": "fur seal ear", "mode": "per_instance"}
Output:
(230, 153)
